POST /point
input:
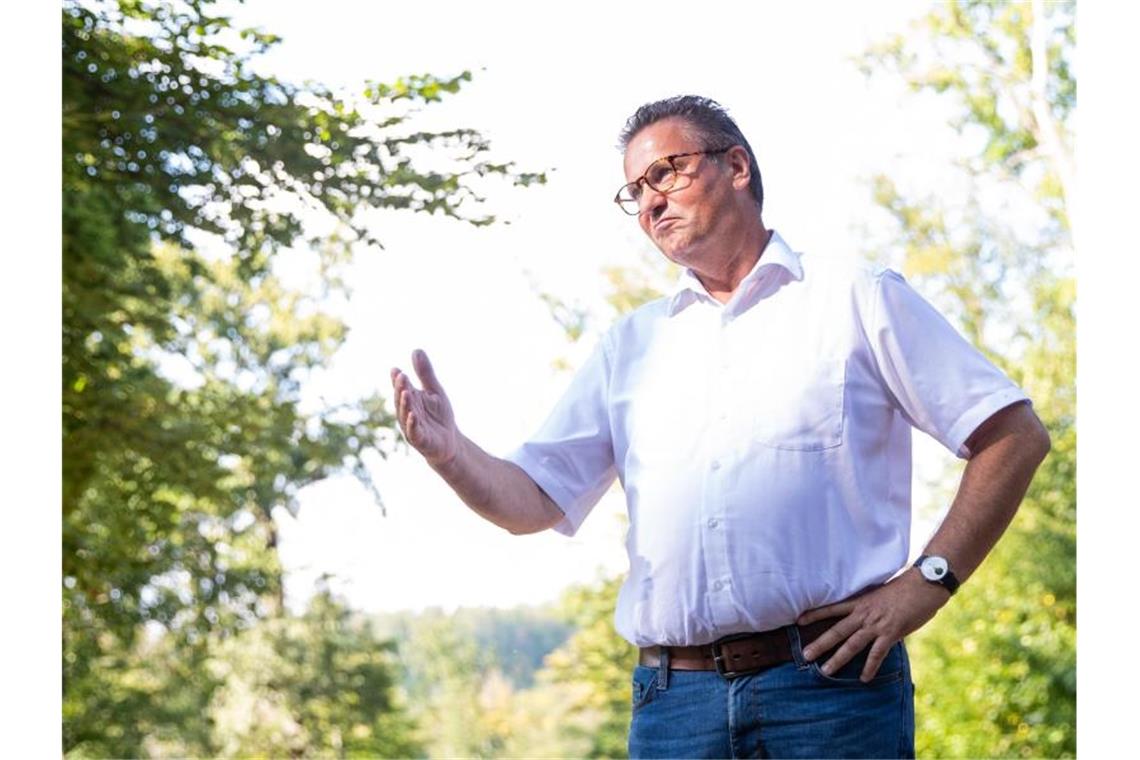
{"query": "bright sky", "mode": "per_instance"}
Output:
(551, 90)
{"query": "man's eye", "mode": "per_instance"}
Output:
(659, 173)
(682, 163)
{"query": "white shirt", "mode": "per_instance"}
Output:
(764, 445)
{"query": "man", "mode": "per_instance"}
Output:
(759, 421)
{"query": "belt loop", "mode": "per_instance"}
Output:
(663, 670)
(797, 647)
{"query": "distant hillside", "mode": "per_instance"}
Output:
(514, 641)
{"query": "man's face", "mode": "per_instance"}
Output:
(681, 220)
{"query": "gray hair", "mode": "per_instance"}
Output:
(709, 122)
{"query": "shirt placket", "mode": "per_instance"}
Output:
(718, 467)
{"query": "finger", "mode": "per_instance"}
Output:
(413, 401)
(419, 435)
(879, 651)
(399, 385)
(425, 372)
(408, 404)
(831, 638)
(839, 609)
(412, 431)
(855, 644)
(405, 384)
(401, 414)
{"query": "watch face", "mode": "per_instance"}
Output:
(934, 568)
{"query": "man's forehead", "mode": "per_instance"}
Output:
(659, 139)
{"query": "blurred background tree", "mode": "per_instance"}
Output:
(321, 683)
(593, 669)
(454, 686)
(185, 175)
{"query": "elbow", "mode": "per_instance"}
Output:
(536, 525)
(541, 513)
(1030, 433)
(526, 530)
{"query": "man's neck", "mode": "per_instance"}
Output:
(721, 285)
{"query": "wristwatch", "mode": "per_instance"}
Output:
(936, 569)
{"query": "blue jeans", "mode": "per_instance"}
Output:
(790, 710)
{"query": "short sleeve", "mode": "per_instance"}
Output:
(942, 384)
(571, 456)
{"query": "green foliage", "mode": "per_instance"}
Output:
(594, 669)
(308, 686)
(182, 366)
(513, 640)
(316, 684)
(995, 671)
(1015, 93)
(516, 641)
(457, 675)
(454, 687)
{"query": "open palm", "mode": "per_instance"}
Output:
(425, 416)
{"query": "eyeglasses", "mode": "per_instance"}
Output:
(661, 176)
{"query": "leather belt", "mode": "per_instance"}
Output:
(739, 654)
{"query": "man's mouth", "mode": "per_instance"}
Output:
(662, 224)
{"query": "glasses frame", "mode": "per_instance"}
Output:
(672, 165)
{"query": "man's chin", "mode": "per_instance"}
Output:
(671, 246)
(678, 254)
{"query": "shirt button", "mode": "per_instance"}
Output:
(713, 522)
(716, 464)
(718, 586)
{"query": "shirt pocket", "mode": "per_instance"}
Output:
(798, 404)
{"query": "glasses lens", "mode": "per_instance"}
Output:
(660, 175)
(629, 198)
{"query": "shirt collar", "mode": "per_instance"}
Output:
(688, 288)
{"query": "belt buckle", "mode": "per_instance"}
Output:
(719, 660)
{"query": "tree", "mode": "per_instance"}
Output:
(315, 685)
(182, 367)
(594, 669)
(454, 687)
(996, 669)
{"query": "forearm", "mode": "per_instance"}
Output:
(498, 490)
(1007, 451)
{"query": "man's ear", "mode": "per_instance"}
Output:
(740, 166)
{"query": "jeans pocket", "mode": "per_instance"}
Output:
(644, 687)
(890, 670)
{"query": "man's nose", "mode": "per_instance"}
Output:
(651, 202)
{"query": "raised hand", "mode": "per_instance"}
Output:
(425, 416)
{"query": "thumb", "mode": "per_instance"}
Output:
(425, 372)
